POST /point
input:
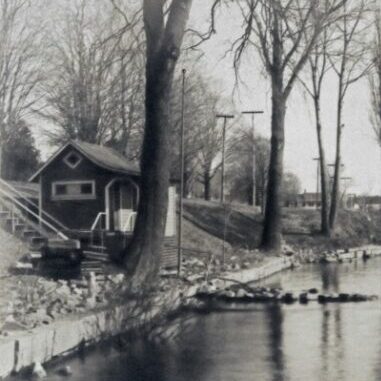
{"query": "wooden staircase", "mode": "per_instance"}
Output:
(19, 215)
(95, 258)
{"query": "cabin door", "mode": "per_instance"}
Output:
(124, 207)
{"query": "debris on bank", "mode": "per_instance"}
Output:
(247, 294)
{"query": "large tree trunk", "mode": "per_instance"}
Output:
(272, 229)
(163, 49)
(325, 229)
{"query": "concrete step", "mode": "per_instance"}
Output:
(37, 240)
(4, 214)
(96, 248)
(57, 243)
(29, 233)
(19, 227)
(35, 254)
(103, 257)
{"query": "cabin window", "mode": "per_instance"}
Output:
(73, 190)
(72, 159)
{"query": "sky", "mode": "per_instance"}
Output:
(360, 151)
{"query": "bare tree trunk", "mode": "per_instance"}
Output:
(206, 186)
(272, 229)
(163, 49)
(336, 177)
(325, 229)
(250, 194)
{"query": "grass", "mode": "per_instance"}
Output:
(241, 226)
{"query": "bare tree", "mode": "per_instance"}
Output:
(284, 34)
(164, 24)
(319, 66)
(348, 63)
(199, 111)
(375, 78)
(243, 145)
(20, 72)
(96, 83)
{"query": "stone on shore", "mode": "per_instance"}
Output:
(65, 371)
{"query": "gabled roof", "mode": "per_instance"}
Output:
(104, 157)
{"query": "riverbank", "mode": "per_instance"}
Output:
(240, 226)
(22, 348)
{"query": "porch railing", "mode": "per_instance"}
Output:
(22, 211)
(130, 222)
(46, 216)
(98, 220)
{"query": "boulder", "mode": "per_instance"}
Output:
(65, 371)
(303, 298)
(241, 293)
(344, 297)
(288, 298)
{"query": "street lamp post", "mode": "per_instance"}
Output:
(225, 117)
(252, 113)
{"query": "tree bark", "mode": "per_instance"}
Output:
(336, 177)
(272, 229)
(206, 186)
(163, 49)
(272, 226)
(325, 228)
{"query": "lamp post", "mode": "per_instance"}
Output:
(180, 223)
(252, 113)
(225, 117)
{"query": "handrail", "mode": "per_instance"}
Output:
(97, 219)
(128, 222)
(29, 211)
(14, 190)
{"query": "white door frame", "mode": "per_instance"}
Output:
(107, 196)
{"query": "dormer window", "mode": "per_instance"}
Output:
(72, 159)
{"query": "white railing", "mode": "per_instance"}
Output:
(130, 222)
(97, 220)
(44, 214)
(21, 207)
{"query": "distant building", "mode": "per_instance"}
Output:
(308, 200)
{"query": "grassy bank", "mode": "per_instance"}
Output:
(241, 226)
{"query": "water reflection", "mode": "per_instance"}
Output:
(330, 277)
(333, 342)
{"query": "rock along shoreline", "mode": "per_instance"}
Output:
(22, 349)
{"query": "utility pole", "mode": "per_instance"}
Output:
(252, 113)
(317, 159)
(343, 196)
(180, 223)
(225, 117)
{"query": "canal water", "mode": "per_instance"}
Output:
(264, 342)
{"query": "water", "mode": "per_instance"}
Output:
(267, 342)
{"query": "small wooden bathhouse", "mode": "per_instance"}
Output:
(89, 189)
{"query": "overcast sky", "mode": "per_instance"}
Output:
(361, 153)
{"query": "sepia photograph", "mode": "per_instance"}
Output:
(190, 190)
